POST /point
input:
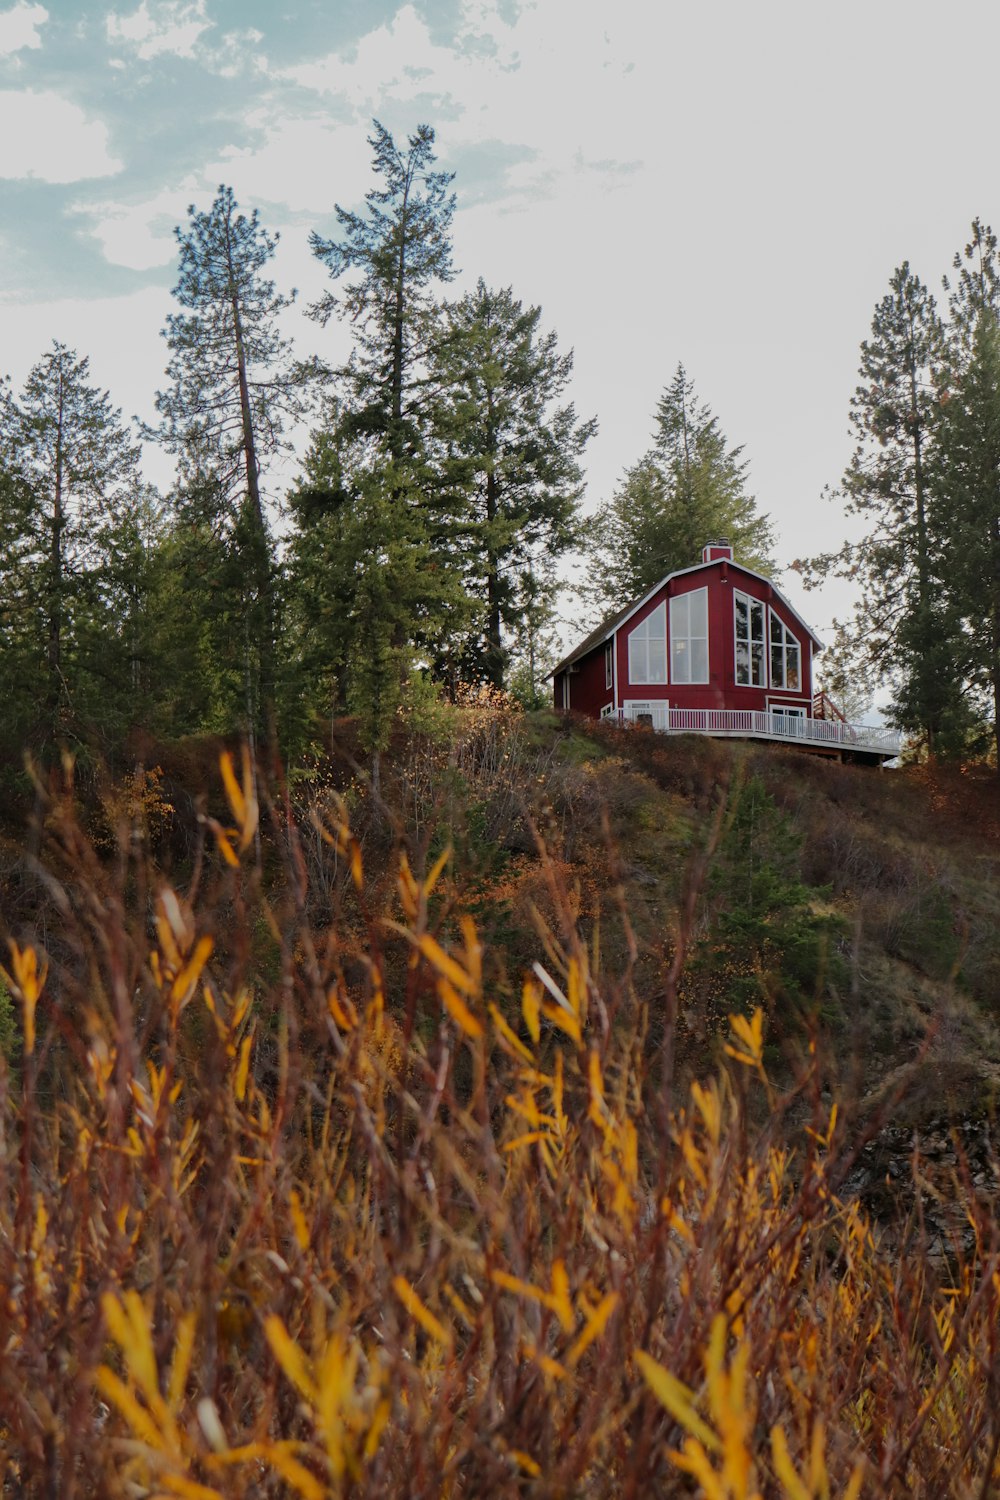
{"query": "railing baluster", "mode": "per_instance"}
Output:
(769, 725)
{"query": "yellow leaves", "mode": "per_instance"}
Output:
(242, 799)
(510, 1037)
(531, 1005)
(597, 1109)
(708, 1103)
(562, 1010)
(444, 964)
(421, 1313)
(183, 986)
(291, 1358)
(816, 1485)
(347, 1426)
(458, 1010)
(27, 980)
(785, 1469)
(413, 894)
(243, 1067)
(300, 1226)
(178, 962)
(676, 1398)
(456, 983)
(749, 1035)
(720, 1456)
(557, 1300)
(152, 1418)
(594, 1327)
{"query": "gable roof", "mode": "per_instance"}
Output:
(614, 622)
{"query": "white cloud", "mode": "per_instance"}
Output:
(174, 27)
(400, 61)
(296, 154)
(48, 137)
(498, 80)
(140, 236)
(19, 27)
(237, 52)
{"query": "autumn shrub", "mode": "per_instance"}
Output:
(349, 1218)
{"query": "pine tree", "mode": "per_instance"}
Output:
(517, 453)
(400, 248)
(966, 476)
(966, 482)
(368, 593)
(72, 469)
(233, 388)
(973, 292)
(382, 507)
(688, 489)
(902, 629)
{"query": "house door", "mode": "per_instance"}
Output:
(792, 718)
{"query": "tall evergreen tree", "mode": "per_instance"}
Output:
(973, 292)
(72, 470)
(233, 387)
(517, 452)
(370, 594)
(902, 629)
(688, 489)
(395, 255)
(966, 474)
(381, 506)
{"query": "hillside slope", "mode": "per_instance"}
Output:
(862, 903)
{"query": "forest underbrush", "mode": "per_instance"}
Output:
(587, 1114)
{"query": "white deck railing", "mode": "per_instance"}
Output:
(752, 723)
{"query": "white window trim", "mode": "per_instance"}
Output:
(690, 681)
(751, 599)
(798, 709)
(643, 681)
(607, 710)
(772, 612)
(609, 663)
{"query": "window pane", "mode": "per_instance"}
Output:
(777, 666)
(647, 648)
(679, 615)
(792, 667)
(742, 664)
(742, 616)
(698, 606)
(699, 661)
(757, 621)
(758, 665)
(777, 633)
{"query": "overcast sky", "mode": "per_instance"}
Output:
(729, 184)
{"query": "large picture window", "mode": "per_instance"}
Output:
(786, 657)
(751, 668)
(689, 637)
(647, 648)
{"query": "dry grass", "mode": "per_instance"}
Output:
(293, 1202)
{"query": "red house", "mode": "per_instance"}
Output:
(714, 649)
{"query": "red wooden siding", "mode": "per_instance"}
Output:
(720, 576)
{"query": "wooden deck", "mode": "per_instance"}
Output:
(827, 736)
